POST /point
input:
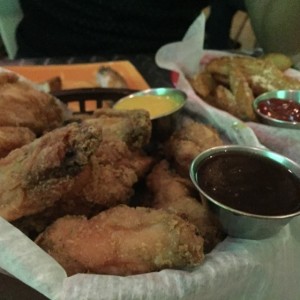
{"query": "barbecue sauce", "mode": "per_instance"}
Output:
(250, 183)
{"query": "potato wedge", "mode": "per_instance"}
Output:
(281, 61)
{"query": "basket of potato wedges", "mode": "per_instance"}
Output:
(231, 83)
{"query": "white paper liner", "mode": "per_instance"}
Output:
(27, 262)
(235, 269)
(281, 140)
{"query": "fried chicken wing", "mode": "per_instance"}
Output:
(120, 162)
(178, 195)
(133, 127)
(23, 105)
(107, 180)
(33, 225)
(112, 173)
(35, 176)
(73, 163)
(187, 142)
(14, 137)
(123, 241)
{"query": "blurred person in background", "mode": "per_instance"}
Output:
(58, 28)
(102, 27)
(218, 25)
(276, 24)
(76, 28)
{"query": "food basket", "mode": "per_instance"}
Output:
(234, 269)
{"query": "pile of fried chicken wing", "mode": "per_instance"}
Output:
(93, 194)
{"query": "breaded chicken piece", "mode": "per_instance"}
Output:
(120, 162)
(133, 127)
(35, 176)
(23, 105)
(14, 137)
(123, 241)
(107, 180)
(35, 224)
(187, 142)
(70, 164)
(177, 195)
(111, 175)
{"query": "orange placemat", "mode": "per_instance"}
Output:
(80, 75)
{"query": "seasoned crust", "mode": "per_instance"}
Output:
(123, 241)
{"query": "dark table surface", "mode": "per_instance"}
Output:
(11, 288)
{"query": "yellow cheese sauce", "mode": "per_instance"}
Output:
(156, 105)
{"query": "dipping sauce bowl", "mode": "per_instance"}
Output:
(252, 191)
(279, 108)
(163, 104)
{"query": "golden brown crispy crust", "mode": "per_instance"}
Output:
(112, 172)
(123, 241)
(71, 164)
(35, 176)
(35, 224)
(14, 137)
(106, 181)
(119, 162)
(187, 142)
(177, 195)
(23, 105)
(133, 127)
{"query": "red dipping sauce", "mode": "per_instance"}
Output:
(281, 109)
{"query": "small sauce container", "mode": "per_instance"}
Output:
(279, 108)
(163, 105)
(253, 192)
